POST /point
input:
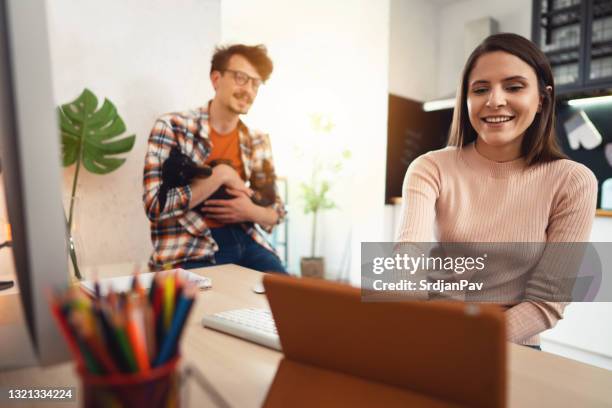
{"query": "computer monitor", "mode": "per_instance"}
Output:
(31, 171)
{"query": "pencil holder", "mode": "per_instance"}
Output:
(158, 387)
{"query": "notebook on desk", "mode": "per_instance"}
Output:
(342, 351)
(124, 283)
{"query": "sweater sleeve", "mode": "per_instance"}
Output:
(420, 191)
(570, 222)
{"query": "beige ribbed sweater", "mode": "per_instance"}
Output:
(453, 195)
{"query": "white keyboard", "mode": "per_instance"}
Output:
(256, 325)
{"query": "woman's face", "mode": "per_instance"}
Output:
(502, 100)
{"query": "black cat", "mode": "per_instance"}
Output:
(179, 170)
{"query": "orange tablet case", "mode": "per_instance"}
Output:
(340, 351)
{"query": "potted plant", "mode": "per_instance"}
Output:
(90, 138)
(316, 192)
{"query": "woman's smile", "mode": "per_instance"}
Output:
(502, 101)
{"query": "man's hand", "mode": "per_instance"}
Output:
(231, 179)
(235, 210)
(202, 188)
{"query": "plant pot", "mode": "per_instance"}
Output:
(312, 267)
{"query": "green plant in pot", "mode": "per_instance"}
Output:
(316, 191)
(90, 139)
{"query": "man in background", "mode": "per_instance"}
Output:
(190, 227)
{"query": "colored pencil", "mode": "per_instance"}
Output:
(149, 323)
(95, 347)
(168, 348)
(135, 331)
(66, 331)
(119, 322)
(168, 300)
(127, 332)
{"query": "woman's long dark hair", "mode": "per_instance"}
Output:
(539, 143)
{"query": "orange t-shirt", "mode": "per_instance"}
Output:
(225, 147)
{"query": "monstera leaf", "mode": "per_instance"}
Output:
(90, 136)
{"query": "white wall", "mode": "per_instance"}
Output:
(330, 57)
(512, 16)
(414, 33)
(148, 57)
(602, 229)
(413, 49)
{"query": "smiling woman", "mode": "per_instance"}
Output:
(507, 80)
(503, 178)
(502, 102)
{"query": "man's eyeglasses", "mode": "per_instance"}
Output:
(242, 79)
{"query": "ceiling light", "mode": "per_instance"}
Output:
(439, 104)
(590, 101)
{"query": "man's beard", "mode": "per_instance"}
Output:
(238, 96)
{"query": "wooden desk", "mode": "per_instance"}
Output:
(242, 372)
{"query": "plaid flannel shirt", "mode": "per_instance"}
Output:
(179, 234)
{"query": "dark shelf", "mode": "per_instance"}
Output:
(607, 43)
(586, 53)
(564, 62)
(559, 57)
(575, 48)
(603, 14)
(564, 10)
(553, 26)
(601, 49)
(601, 54)
(602, 10)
